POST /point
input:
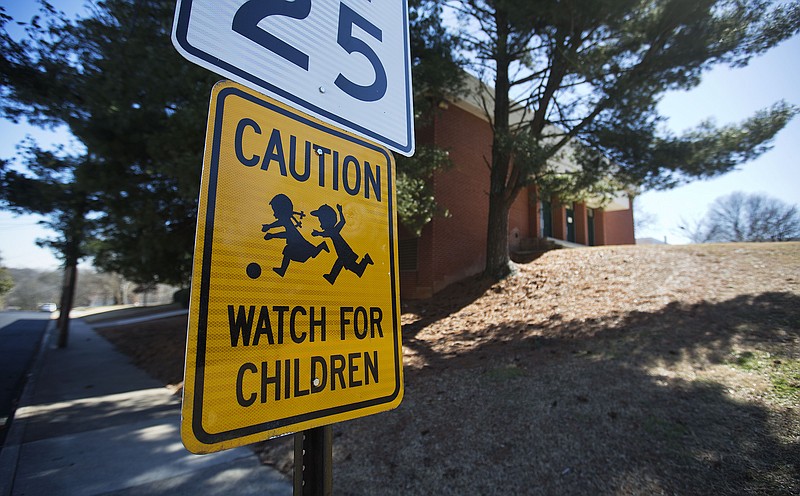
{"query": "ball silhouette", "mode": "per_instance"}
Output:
(253, 270)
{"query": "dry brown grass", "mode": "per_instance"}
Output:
(616, 370)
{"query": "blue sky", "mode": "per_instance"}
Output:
(731, 95)
(726, 95)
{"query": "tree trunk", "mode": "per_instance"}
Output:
(498, 261)
(67, 297)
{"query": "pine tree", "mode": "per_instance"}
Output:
(140, 109)
(586, 76)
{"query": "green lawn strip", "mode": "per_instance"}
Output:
(783, 372)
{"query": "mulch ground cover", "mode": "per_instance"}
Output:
(611, 370)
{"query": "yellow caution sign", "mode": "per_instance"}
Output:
(294, 318)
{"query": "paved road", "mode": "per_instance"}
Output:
(20, 336)
(9, 317)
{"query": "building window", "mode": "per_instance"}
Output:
(546, 212)
(407, 254)
(569, 210)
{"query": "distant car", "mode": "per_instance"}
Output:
(48, 307)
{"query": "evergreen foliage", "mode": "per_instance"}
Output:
(586, 76)
(437, 73)
(114, 79)
(6, 283)
(58, 187)
(139, 110)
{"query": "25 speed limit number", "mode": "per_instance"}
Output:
(345, 62)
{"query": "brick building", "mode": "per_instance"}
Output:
(454, 247)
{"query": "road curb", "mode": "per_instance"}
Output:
(140, 319)
(9, 455)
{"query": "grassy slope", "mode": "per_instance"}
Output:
(634, 370)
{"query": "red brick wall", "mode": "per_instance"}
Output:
(619, 227)
(535, 221)
(599, 227)
(454, 247)
(459, 240)
(520, 222)
(419, 283)
(581, 224)
(559, 219)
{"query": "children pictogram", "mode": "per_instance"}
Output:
(298, 248)
(346, 257)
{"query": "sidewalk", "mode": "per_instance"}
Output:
(90, 423)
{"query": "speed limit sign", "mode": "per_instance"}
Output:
(344, 61)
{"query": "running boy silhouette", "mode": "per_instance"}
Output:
(298, 248)
(346, 257)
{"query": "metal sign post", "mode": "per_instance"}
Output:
(313, 462)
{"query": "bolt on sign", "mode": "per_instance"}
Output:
(294, 319)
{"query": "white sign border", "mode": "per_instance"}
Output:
(215, 64)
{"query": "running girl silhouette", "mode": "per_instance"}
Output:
(346, 257)
(298, 248)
